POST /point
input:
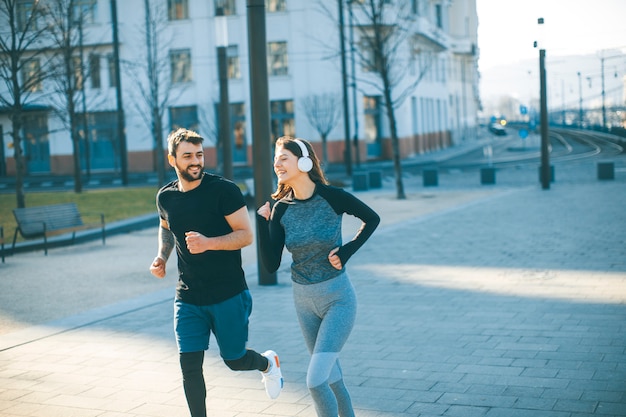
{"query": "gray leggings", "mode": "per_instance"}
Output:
(326, 312)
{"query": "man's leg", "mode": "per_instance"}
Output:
(193, 382)
(230, 319)
(192, 328)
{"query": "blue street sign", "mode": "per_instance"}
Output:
(523, 133)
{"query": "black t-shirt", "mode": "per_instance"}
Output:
(212, 276)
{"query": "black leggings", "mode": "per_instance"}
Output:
(193, 379)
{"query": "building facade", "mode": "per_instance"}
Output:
(436, 98)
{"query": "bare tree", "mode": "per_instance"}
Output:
(151, 79)
(323, 111)
(21, 35)
(393, 62)
(67, 72)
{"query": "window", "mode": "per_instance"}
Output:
(372, 110)
(94, 70)
(180, 63)
(371, 60)
(276, 5)
(85, 10)
(238, 124)
(112, 74)
(186, 117)
(414, 6)
(178, 9)
(234, 69)
(439, 15)
(283, 122)
(77, 70)
(25, 11)
(238, 129)
(31, 75)
(228, 8)
(277, 58)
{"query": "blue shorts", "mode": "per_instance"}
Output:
(227, 320)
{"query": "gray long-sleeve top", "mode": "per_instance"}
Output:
(310, 229)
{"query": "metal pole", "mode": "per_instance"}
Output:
(344, 84)
(260, 110)
(545, 156)
(224, 127)
(603, 105)
(580, 101)
(121, 134)
(354, 100)
(224, 116)
(84, 99)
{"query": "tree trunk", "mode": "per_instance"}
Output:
(395, 142)
(20, 164)
(78, 183)
(324, 149)
(158, 148)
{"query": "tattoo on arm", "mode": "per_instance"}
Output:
(166, 243)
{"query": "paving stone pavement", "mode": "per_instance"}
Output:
(506, 300)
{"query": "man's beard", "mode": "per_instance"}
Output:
(185, 175)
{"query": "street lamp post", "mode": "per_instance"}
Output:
(221, 41)
(603, 105)
(121, 130)
(580, 101)
(344, 83)
(259, 101)
(602, 59)
(545, 155)
(357, 154)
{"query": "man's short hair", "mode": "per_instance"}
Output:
(182, 135)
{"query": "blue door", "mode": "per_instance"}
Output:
(36, 145)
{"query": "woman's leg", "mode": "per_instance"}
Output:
(326, 313)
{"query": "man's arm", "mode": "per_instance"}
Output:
(240, 237)
(166, 245)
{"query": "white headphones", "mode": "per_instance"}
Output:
(305, 164)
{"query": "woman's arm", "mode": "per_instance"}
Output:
(344, 202)
(271, 237)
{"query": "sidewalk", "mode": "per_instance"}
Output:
(506, 300)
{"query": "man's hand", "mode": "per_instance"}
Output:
(157, 268)
(196, 242)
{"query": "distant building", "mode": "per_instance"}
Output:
(303, 61)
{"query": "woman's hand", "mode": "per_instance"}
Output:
(334, 260)
(264, 211)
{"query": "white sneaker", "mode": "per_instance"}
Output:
(273, 379)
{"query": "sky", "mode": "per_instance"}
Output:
(508, 28)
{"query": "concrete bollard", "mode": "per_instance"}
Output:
(606, 170)
(488, 175)
(430, 177)
(375, 179)
(359, 181)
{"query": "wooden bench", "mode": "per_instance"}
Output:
(46, 221)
